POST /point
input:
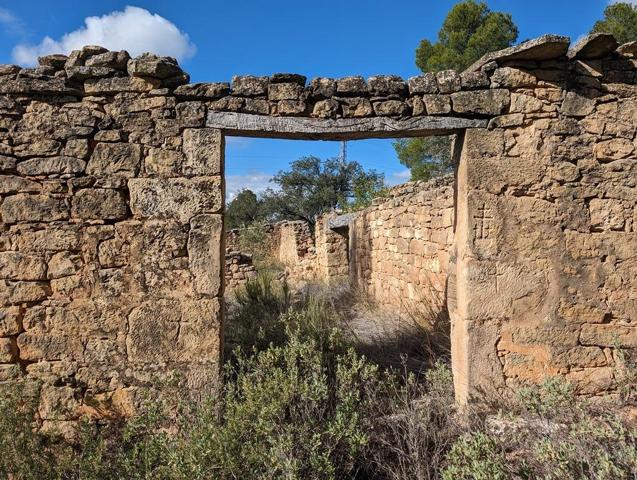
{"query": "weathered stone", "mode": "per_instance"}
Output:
(284, 91)
(596, 45)
(203, 150)
(110, 136)
(437, 104)
(8, 350)
(63, 264)
(14, 184)
(256, 105)
(42, 147)
(288, 78)
(291, 107)
(356, 107)
(56, 61)
(76, 147)
(51, 166)
(507, 121)
(18, 266)
(576, 105)
(522, 103)
(99, 204)
(81, 73)
(508, 77)
(205, 253)
(323, 88)
(163, 162)
(14, 293)
(10, 321)
(486, 102)
(202, 91)
(474, 80)
(628, 49)
(608, 335)
(390, 108)
(191, 114)
(177, 198)
(250, 86)
(351, 86)
(115, 159)
(423, 84)
(546, 47)
(606, 214)
(326, 108)
(149, 65)
(33, 208)
(100, 86)
(7, 164)
(383, 85)
(615, 149)
(117, 60)
(448, 81)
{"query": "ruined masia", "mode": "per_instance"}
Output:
(112, 241)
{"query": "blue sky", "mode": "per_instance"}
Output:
(215, 40)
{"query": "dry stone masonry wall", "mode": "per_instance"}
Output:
(111, 243)
(400, 246)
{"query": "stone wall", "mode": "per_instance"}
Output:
(111, 185)
(546, 238)
(239, 270)
(111, 234)
(400, 246)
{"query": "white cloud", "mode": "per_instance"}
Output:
(255, 181)
(401, 176)
(10, 23)
(134, 29)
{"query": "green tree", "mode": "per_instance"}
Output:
(243, 210)
(313, 186)
(469, 31)
(620, 19)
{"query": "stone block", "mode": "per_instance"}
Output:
(8, 350)
(205, 253)
(614, 149)
(149, 65)
(395, 108)
(203, 149)
(13, 293)
(606, 214)
(423, 84)
(33, 208)
(356, 107)
(577, 105)
(51, 166)
(326, 108)
(250, 86)
(284, 91)
(99, 204)
(115, 159)
(63, 264)
(10, 321)
(509, 77)
(19, 266)
(163, 162)
(483, 102)
(175, 198)
(291, 107)
(437, 104)
(191, 114)
(323, 88)
(384, 85)
(448, 81)
(13, 184)
(101, 86)
(351, 86)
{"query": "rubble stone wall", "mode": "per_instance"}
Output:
(399, 247)
(111, 235)
(112, 192)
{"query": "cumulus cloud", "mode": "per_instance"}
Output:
(134, 29)
(255, 181)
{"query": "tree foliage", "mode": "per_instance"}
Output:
(469, 31)
(314, 186)
(243, 210)
(620, 19)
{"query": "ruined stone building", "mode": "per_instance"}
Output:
(112, 198)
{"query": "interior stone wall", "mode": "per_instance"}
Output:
(399, 247)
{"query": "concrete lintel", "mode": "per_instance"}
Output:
(248, 125)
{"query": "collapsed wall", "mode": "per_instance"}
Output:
(399, 247)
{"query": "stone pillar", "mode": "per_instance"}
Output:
(331, 252)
